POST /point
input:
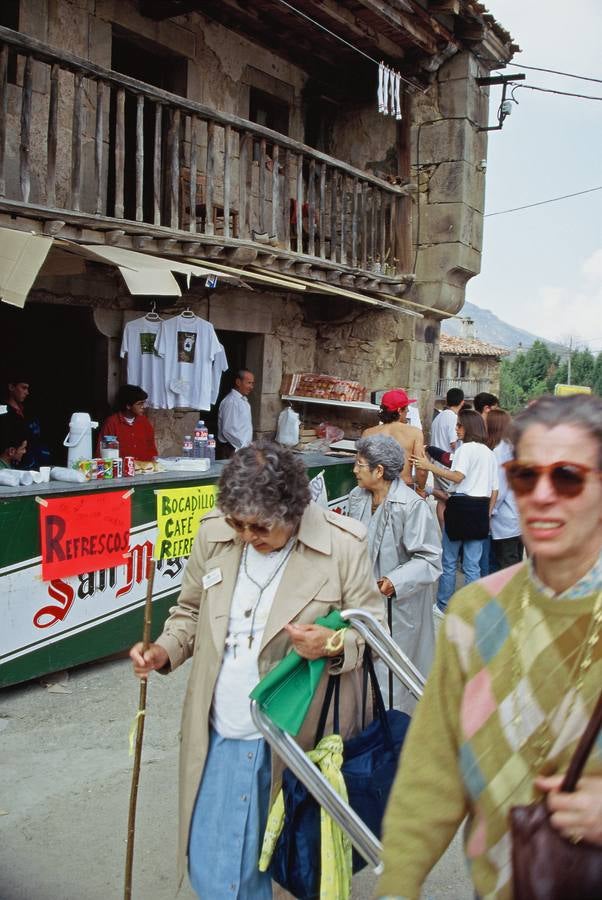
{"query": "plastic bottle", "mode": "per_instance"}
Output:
(200, 440)
(211, 448)
(187, 446)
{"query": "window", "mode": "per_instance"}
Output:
(265, 109)
(9, 18)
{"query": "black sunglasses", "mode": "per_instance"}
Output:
(568, 479)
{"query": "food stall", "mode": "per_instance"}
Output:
(52, 623)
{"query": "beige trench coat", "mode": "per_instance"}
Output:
(329, 569)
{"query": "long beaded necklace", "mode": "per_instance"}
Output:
(580, 668)
(251, 611)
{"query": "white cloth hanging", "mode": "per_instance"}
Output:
(381, 99)
(386, 74)
(144, 366)
(398, 114)
(189, 346)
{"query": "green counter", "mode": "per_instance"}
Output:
(53, 625)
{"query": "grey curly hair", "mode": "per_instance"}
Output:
(382, 450)
(581, 410)
(265, 482)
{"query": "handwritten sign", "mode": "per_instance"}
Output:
(84, 534)
(179, 513)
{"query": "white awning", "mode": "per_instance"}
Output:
(22, 256)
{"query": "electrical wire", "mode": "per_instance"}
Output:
(532, 87)
(554, 72)
(338, 37)
(542, 202)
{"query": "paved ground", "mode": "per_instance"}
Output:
(64, 790)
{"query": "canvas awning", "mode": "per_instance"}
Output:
(22, 255)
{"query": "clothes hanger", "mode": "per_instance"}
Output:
(153, 315)
(188, 314)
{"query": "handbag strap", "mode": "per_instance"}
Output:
(584, 747)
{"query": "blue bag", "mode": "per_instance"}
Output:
(369, 768)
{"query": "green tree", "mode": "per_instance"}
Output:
(582, 365)
(597, 376)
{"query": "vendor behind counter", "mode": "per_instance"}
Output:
(130, 425)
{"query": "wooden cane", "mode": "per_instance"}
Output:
(146, 634)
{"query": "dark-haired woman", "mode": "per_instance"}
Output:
(263, 568)
(474, 472)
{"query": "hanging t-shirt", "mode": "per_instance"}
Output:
(220, 365)
(189, 346)
(144, 365)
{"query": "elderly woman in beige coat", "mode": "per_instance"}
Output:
(262, 570)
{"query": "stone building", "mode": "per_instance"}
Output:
(469, 364)
(247, 139)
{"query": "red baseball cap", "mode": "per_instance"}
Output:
(396, 399)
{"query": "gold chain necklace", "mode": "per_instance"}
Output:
(579, 671)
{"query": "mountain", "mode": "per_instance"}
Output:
(492, 330)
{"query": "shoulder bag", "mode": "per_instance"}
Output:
(545, 865)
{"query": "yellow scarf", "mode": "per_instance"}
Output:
(335, 846)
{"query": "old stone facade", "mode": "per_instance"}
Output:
(431, 161)
(469, 364)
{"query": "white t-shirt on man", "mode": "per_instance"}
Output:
(479, 466)
(443, 430)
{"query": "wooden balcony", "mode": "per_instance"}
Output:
(87, 148)
(470, 386)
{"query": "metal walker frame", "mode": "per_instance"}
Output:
(364, 840)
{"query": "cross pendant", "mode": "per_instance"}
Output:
(251, 638)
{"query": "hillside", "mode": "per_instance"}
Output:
(492, 330)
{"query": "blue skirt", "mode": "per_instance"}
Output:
(228, 822)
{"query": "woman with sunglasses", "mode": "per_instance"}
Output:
(517, 673)
(506, 538)
(467, 511)
(405, 550)
(263, 568)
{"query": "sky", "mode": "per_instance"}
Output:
(542, 268)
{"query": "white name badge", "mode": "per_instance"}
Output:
(211, 578)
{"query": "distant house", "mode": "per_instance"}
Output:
(469, 364)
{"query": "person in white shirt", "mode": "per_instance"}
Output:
(234, 422)
(443, 436)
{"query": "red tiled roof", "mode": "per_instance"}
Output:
(469, 347)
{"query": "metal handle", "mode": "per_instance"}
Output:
(365, 842)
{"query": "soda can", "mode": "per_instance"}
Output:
(129, 466)
(107, 465)
(117, 468)
(98, 468)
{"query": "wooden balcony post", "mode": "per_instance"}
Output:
(311, 209)
(139, 157)
(157, 152)
(227, 180)
(364, 226)
(98, 145)
(261, 186)
(245, 144)
(191, 200)
(300, 203)
(354, 223)
(52, 135)
(383, 230)
(323, 211)
(333, 215)
(210, 178)
(286, 201)
(174, 165)
(119, 152)
(24, 174)
(3, 116)
(343, 251)
(276, 217)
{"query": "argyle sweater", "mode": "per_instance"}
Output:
(468, 752)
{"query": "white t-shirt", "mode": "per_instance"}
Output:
(239, 673)
(479, 466)
(144, 365)
(189, 346)
(443, 430)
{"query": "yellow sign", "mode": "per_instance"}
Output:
(179, 512)
(565, 390)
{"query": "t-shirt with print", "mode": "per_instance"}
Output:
(189, 346)
(144, 365)
(479, 466)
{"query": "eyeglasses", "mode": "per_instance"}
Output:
(568, 479)
(254, 527)
(359, 465)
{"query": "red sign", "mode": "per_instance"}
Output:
(84, 534)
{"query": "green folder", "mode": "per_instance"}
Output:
(285, 694)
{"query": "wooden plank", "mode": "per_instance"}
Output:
(98, 144)
(343, 250)
(364, 227)
(139, 157)
(276, 215)
(333, 215)
(322, 219)
(244, 144)
(354, 205)
(3, 115)
(286, 200)
(372, 226)
(119, 152)
(210, 178)
(403, 225)
(191, 200)
(227, 180)
(174, 165)
(382, 251)
(76, 140)
(262, 184)
(393, 232)
(52, 135)
(26, 92)
(299, 216)
(311, 209)
(157, 168)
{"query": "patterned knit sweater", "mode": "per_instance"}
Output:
(492, 710)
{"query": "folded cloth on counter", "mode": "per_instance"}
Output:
(60, 473)
(10, 477)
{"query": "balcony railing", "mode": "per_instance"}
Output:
(470, 386)
(81, 139)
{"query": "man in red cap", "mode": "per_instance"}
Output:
(392, 421)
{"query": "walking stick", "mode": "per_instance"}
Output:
(129, 855)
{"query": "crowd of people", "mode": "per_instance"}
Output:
(514, 660)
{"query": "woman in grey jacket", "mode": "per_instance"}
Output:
(405, 549)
